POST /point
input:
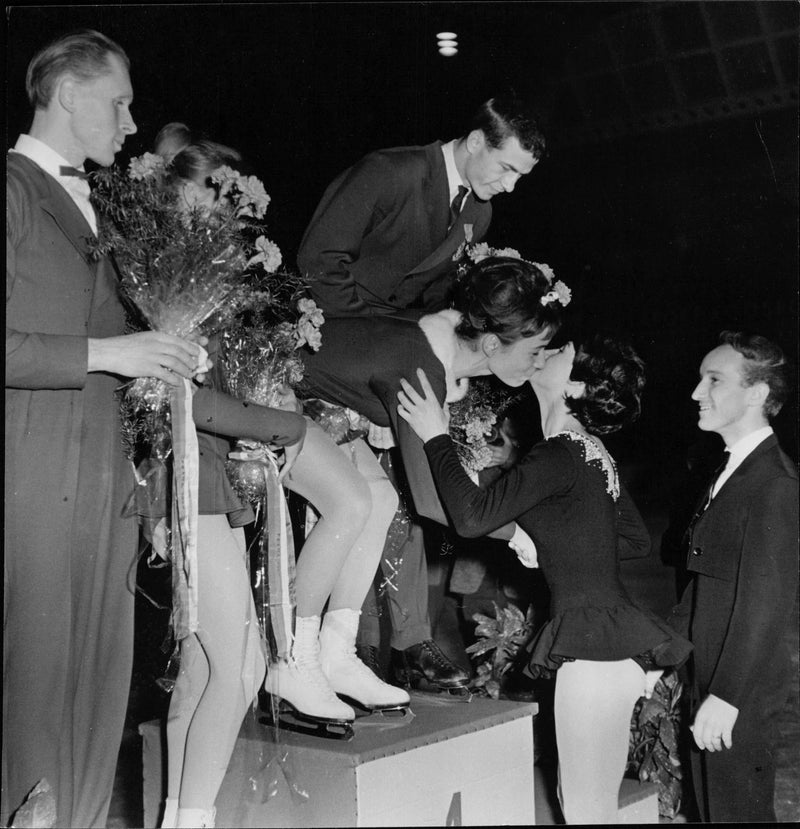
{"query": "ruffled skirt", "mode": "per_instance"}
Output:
(605, 634)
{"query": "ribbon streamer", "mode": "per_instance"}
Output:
(274, 587)
(185, 479)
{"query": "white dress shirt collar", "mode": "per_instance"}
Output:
(454, 180)
(739, 451)
(51, 162)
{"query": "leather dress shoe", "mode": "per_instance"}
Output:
(426, 663)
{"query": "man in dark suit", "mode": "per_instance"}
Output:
(743, 560)
(68, 624)
(382, 241)
(383, 236)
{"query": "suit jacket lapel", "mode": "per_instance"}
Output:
(71, 222)
(472, 215)
(729, 488)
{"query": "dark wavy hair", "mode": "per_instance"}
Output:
(764, 362)
(507, 117)
(614, 378)
(503, 296)
(83, 53)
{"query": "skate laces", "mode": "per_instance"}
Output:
(308, 664)
(436, 653)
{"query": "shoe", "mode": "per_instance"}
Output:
(300, 681)
(426, 663)
(370, 656)
(347, 674)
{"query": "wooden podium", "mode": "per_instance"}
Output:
(451, 764)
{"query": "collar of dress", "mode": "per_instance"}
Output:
(440, 331)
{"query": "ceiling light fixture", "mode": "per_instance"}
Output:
(447, 43)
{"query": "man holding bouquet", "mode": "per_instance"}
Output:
(69, 552)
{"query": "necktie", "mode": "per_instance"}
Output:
(717, 472)
(455, 206)
(703, 505)
(73, 171)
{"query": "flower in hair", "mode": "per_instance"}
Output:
(547, 272)
(560, 293)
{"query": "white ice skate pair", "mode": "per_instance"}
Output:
(322, 664)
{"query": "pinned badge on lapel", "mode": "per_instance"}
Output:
(468, 232)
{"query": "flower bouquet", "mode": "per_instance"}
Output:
(181, 272)
(473, 421)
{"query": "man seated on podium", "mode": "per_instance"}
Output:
(382, 241)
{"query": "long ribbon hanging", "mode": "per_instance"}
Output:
(274, 585)
(185, 479)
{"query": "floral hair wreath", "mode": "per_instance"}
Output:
(559, 292)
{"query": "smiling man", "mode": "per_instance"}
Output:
(68, 613)
(383, 236)
(742, 554)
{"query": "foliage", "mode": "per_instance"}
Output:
(653, 751)
(473, 419)
(498, 644)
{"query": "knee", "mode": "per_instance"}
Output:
(384, 499)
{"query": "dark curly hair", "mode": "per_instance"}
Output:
(613, 376)
(503, 296)
(764, 362)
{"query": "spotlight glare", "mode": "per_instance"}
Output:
(447, 36)
(448, 51)
(447, 43)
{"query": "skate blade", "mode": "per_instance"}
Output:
(388, 711)
(444, 695)
(290, 719)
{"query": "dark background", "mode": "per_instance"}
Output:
(669, 197)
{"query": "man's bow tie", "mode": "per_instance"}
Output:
(73, 171)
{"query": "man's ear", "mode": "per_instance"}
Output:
(757, 394)
(475, 141)
(66, 93)
(490, 344)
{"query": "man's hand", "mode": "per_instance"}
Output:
(713, 724)
(504, 455)
(149, 354)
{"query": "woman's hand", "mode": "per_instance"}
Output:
(422, 412)
(522, 544)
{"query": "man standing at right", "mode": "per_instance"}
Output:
(743, 545)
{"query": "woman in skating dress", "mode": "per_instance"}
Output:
(566, 494)
(223, 664)
(505, 313)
